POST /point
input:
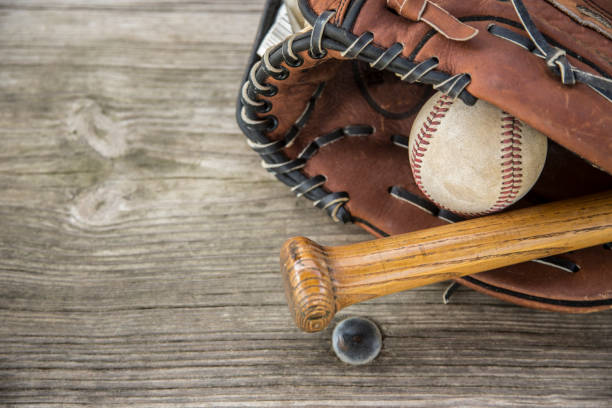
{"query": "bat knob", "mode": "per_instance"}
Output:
(308, 286)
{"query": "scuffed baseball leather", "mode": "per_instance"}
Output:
(367, 168)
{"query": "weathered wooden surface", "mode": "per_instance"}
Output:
(139, 241)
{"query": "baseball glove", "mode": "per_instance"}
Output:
(333, 88)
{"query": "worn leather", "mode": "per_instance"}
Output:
(576, 120)
(435, 17)
(512, 80)
(596, 14)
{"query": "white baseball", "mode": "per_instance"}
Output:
(473, 159)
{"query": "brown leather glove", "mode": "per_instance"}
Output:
(329, 108)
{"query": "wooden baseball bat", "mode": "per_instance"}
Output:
(321, 280)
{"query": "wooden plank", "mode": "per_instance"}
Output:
(139, 241)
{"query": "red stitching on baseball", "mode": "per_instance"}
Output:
(428, 128)
(511, 169)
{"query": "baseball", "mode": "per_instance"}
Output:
(473, 159)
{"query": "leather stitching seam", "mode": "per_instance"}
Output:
(511, 162)
(427, 131)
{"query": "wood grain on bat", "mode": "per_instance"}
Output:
(319, 280)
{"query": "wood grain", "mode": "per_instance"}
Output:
(321, 280)
(139, 241)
